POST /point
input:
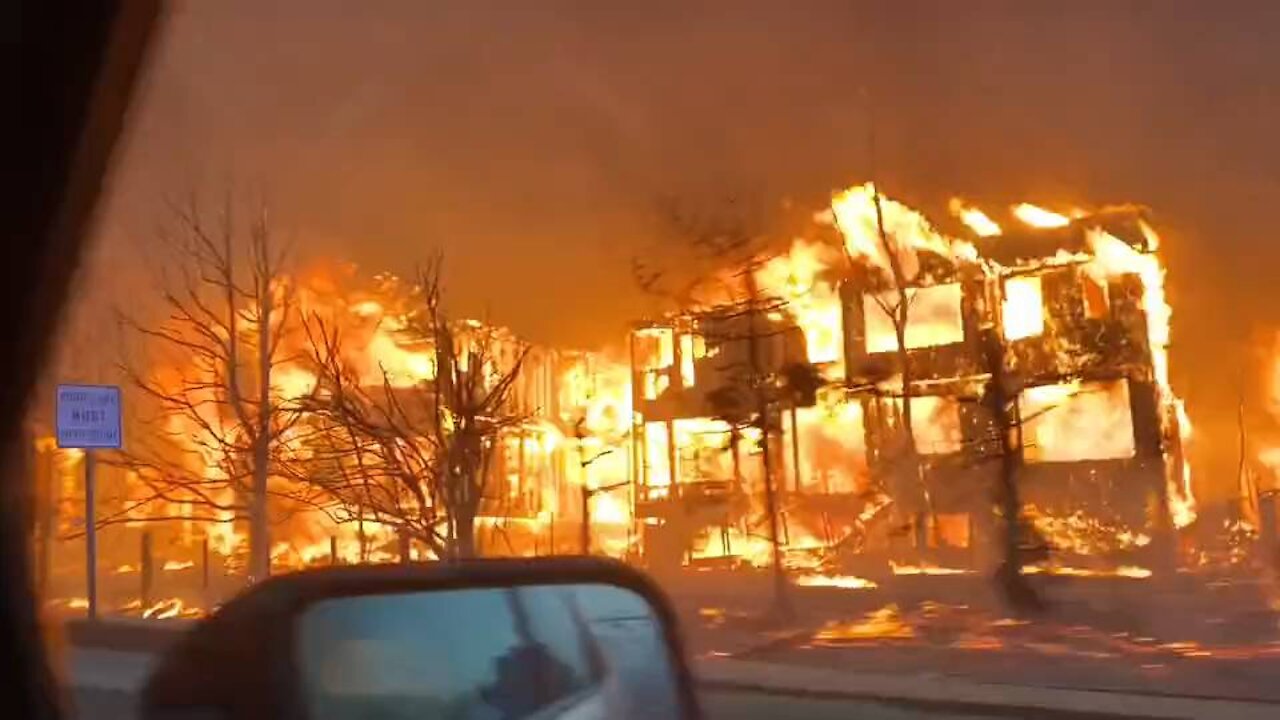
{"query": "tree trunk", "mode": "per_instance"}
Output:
(462, 522)
(259, 531)
(904, 362)
(781, 594)
(1017, 592)
(464, 546)
(908, 463)
(468, 489)
(584, 541)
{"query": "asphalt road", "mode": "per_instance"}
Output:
(102, 686)
(756, 706)
(115, 674)
(110, 705)
(102, 705)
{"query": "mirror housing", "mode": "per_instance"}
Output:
(242, 662)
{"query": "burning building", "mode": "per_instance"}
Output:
(835, 396)
(896, 321)
(359, 406)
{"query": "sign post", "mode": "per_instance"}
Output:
(89, 418)
(90, 534)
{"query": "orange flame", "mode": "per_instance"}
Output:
(977, 220)
(1115, 257)
(1038, 217)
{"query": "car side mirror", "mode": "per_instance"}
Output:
(555, 638)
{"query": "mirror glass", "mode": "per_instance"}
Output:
(537, 651)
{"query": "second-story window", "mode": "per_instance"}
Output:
(933, 318)
(1023, 307)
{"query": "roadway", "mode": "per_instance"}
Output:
(718, 705)
(740, 705)
(105, 682)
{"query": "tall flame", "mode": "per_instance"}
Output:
(797, 276)
(1114, 257)
(859, 214)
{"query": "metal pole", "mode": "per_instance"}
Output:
(48, 518)
(90, 536)
(333, 549)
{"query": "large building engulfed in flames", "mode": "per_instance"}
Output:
(1079, 308)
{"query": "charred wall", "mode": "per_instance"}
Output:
(1089, 335)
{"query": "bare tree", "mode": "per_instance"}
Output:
(416, 458)
(213, 443)
(895, 304)
(897, 307)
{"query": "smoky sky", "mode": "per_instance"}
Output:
(530, 140)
